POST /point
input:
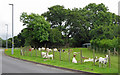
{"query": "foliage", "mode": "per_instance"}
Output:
(55, 36)
(36, 30)
(105, 43)
(74, 26)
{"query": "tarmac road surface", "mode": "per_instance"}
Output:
(11, 65)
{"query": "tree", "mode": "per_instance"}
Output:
(36, 30)
(56, 16)
(78, 26)
(55, 37)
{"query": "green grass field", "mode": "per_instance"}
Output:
(88, 66)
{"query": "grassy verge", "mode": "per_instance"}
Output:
(88, 66)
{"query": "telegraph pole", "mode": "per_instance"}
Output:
(7, 37)
(12, 27)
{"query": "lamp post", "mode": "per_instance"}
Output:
(12, 27)
(7, 37)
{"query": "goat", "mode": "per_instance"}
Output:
(32, 48)
(43, 54)
(49, 50)
(55, 49)
(43, 48)
(63, 50)
(84, 57)
(103, 60)
(49, 56)
(59, 50)
(90, 60)
(39, 49)
(74, 60)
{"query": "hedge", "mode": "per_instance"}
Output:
(105, 43)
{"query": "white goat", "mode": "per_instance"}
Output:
(55, 49)
(74, 60)
(49, 56)
(49, 50)
(90, 60)
(43, 54)
(43, 48)
(103, 60)
(39, 49)
(32, 48)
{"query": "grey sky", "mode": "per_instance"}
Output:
(39, 6)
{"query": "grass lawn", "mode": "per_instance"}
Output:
(88, 66)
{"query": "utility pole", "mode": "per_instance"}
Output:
(12, 27)
(7, 37)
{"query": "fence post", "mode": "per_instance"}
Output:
(36, 51)
(41, 53)
(114, 51)
(24, 51)
(31, 52)
(93, 56)
(27, 51)
(53, 54)
(109, 59)
(21, 50)
(81, 55)
(60, 55)
(69, 54)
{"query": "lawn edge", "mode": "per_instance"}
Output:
(53, 65)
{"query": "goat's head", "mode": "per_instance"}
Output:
(106, 56)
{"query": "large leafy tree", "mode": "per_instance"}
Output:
(56, 15)
(78, 27)
(55, 37)
(36, 30)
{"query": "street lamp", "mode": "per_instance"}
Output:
(12, 28)
(6, 36)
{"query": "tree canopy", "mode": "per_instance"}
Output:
(61, 26)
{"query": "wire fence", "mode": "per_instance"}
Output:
(66, 55)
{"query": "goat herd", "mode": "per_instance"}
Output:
(45, 54)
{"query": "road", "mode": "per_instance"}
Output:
(11, 65)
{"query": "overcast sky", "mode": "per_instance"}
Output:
(39, 7)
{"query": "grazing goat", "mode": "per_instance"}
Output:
(59, 50)
(49, 50)
(63, 50)
(55, 49)
(43, 54)
(84, 57)
(103, 61)
(32, 48)
(90, 60)
(39, 49)
(43, 48)
(49, 56)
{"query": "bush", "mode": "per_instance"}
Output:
(105, 43)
